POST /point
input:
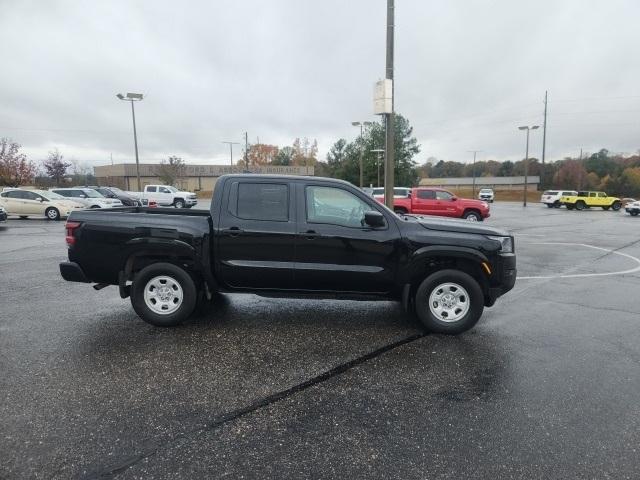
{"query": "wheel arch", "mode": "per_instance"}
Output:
(428, 260)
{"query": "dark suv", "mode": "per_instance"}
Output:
(114, 192)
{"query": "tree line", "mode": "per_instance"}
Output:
(614, 173)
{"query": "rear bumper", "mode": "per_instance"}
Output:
(72, 272)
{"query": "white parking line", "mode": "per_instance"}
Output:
(586, 275)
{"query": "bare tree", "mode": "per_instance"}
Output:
(55, 166)
(171, 170)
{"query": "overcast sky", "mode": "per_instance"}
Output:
(467, 74)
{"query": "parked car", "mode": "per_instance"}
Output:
(633, 208)
(115, 193)
(88, 197)
(551, 198)
(166, 195)
(486, 194)
(398, 192)
(440, 202)
(28, 203)
(591, 199)
(3, 215)
(289, 236)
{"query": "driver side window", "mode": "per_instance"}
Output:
(334, 206)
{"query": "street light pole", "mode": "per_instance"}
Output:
(231, 144)
(526, 161)
(134, 97)
(361, 125)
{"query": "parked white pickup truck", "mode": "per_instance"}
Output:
(166, 195)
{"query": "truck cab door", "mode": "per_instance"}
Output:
(165, 196)
(256, 235)
(424, 202)
(335, 250)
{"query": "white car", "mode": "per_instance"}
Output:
(28, 203)
(633, 208)
(166, 195)
(398, 192)
(88, 197)
(552, 197)
(486, 195)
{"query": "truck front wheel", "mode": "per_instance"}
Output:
(178, 203)
(163, 294)
(449, 301)
(616, 205)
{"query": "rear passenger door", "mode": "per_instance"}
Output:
(256, 235)
(424, 202)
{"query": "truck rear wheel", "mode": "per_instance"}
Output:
(449, 301)
(163, 294)
(580, 205)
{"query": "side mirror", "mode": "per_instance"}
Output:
(374, 218)
(40, 199)
(454, 198)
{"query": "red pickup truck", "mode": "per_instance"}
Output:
(436, 201)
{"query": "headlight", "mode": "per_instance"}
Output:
(506, 243)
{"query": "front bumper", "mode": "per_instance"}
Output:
(506, 277)
(190, 202)
(3, 216)
(632, 210)
(72, 272)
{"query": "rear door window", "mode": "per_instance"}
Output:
(426, 194)
(263, 201)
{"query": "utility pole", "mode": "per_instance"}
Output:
(473, 171)
(231, 144)
(389, 144)
(361, 125)
(544, 139)
(246, 150)
(380, 152)
(580, 165)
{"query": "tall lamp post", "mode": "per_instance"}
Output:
(361, 125)
(526, 160)
(380, 152)
(473, 171)
(134, 97)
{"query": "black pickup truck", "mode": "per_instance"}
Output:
(291, 237)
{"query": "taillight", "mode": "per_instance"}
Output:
(70, 228)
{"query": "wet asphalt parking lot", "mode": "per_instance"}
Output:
(547, 385)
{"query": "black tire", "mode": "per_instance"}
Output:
(633, 213)
(52, 213)
(94, 206)
(580, 205)
(23, 217)
(177, 275)
(616, 206)
(472, 216)
(570, 207)
(550, 205)
(436, 280)
(606, 208)
(557, 204)
(178, 203)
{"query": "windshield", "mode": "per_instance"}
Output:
(91, 193)
(49, 195)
